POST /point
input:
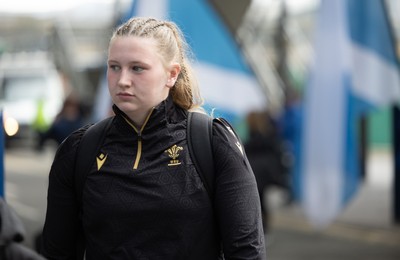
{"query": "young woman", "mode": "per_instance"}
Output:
(135, 203)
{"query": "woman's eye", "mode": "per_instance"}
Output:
(137, 68)
(114, 67)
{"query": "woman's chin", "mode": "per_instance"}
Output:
(127, 108)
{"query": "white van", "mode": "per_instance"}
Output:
(29, 85)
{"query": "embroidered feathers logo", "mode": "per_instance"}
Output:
(173, 153)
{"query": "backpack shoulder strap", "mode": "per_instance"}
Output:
(89, 146)
(199, 136)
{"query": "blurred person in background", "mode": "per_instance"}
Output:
(135, 204)
(40, 124)
(289, 125)
(264, 149)
(69, 119)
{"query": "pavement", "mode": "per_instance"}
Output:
(365, 229)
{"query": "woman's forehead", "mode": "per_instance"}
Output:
(134, 49)
(126, 45)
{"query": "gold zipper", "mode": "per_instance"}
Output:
(139, 133)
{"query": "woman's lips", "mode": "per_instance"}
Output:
(124, 94)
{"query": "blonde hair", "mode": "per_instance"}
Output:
(173, 47)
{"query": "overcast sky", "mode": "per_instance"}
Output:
(45, 6)
(88, 13)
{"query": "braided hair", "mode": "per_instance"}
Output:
(173, 47)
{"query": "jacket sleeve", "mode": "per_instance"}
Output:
(62, 233)
(236, 201)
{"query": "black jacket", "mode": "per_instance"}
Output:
(146, 201)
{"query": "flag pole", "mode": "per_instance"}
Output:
(396, 162)
(395, 130)
(363, 141)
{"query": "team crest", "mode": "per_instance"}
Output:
(173, 153)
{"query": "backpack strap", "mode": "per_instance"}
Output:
(199, 136)
(89, 146)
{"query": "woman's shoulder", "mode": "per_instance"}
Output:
(71, 143)
(223, 129)
(225, 135)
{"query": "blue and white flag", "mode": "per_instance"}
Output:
(355, 69)
(226, 82)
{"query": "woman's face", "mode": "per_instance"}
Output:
(137, 78)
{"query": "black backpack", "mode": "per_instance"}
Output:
(199, 132)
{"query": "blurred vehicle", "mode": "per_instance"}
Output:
(31, 94)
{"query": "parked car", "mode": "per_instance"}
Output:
(31, 94)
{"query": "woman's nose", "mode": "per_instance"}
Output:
(124, 79)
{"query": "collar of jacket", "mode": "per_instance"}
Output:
(164, 113)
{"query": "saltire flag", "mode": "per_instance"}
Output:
(355, 70)
(226, 82)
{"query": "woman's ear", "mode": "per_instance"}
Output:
(173, 74)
